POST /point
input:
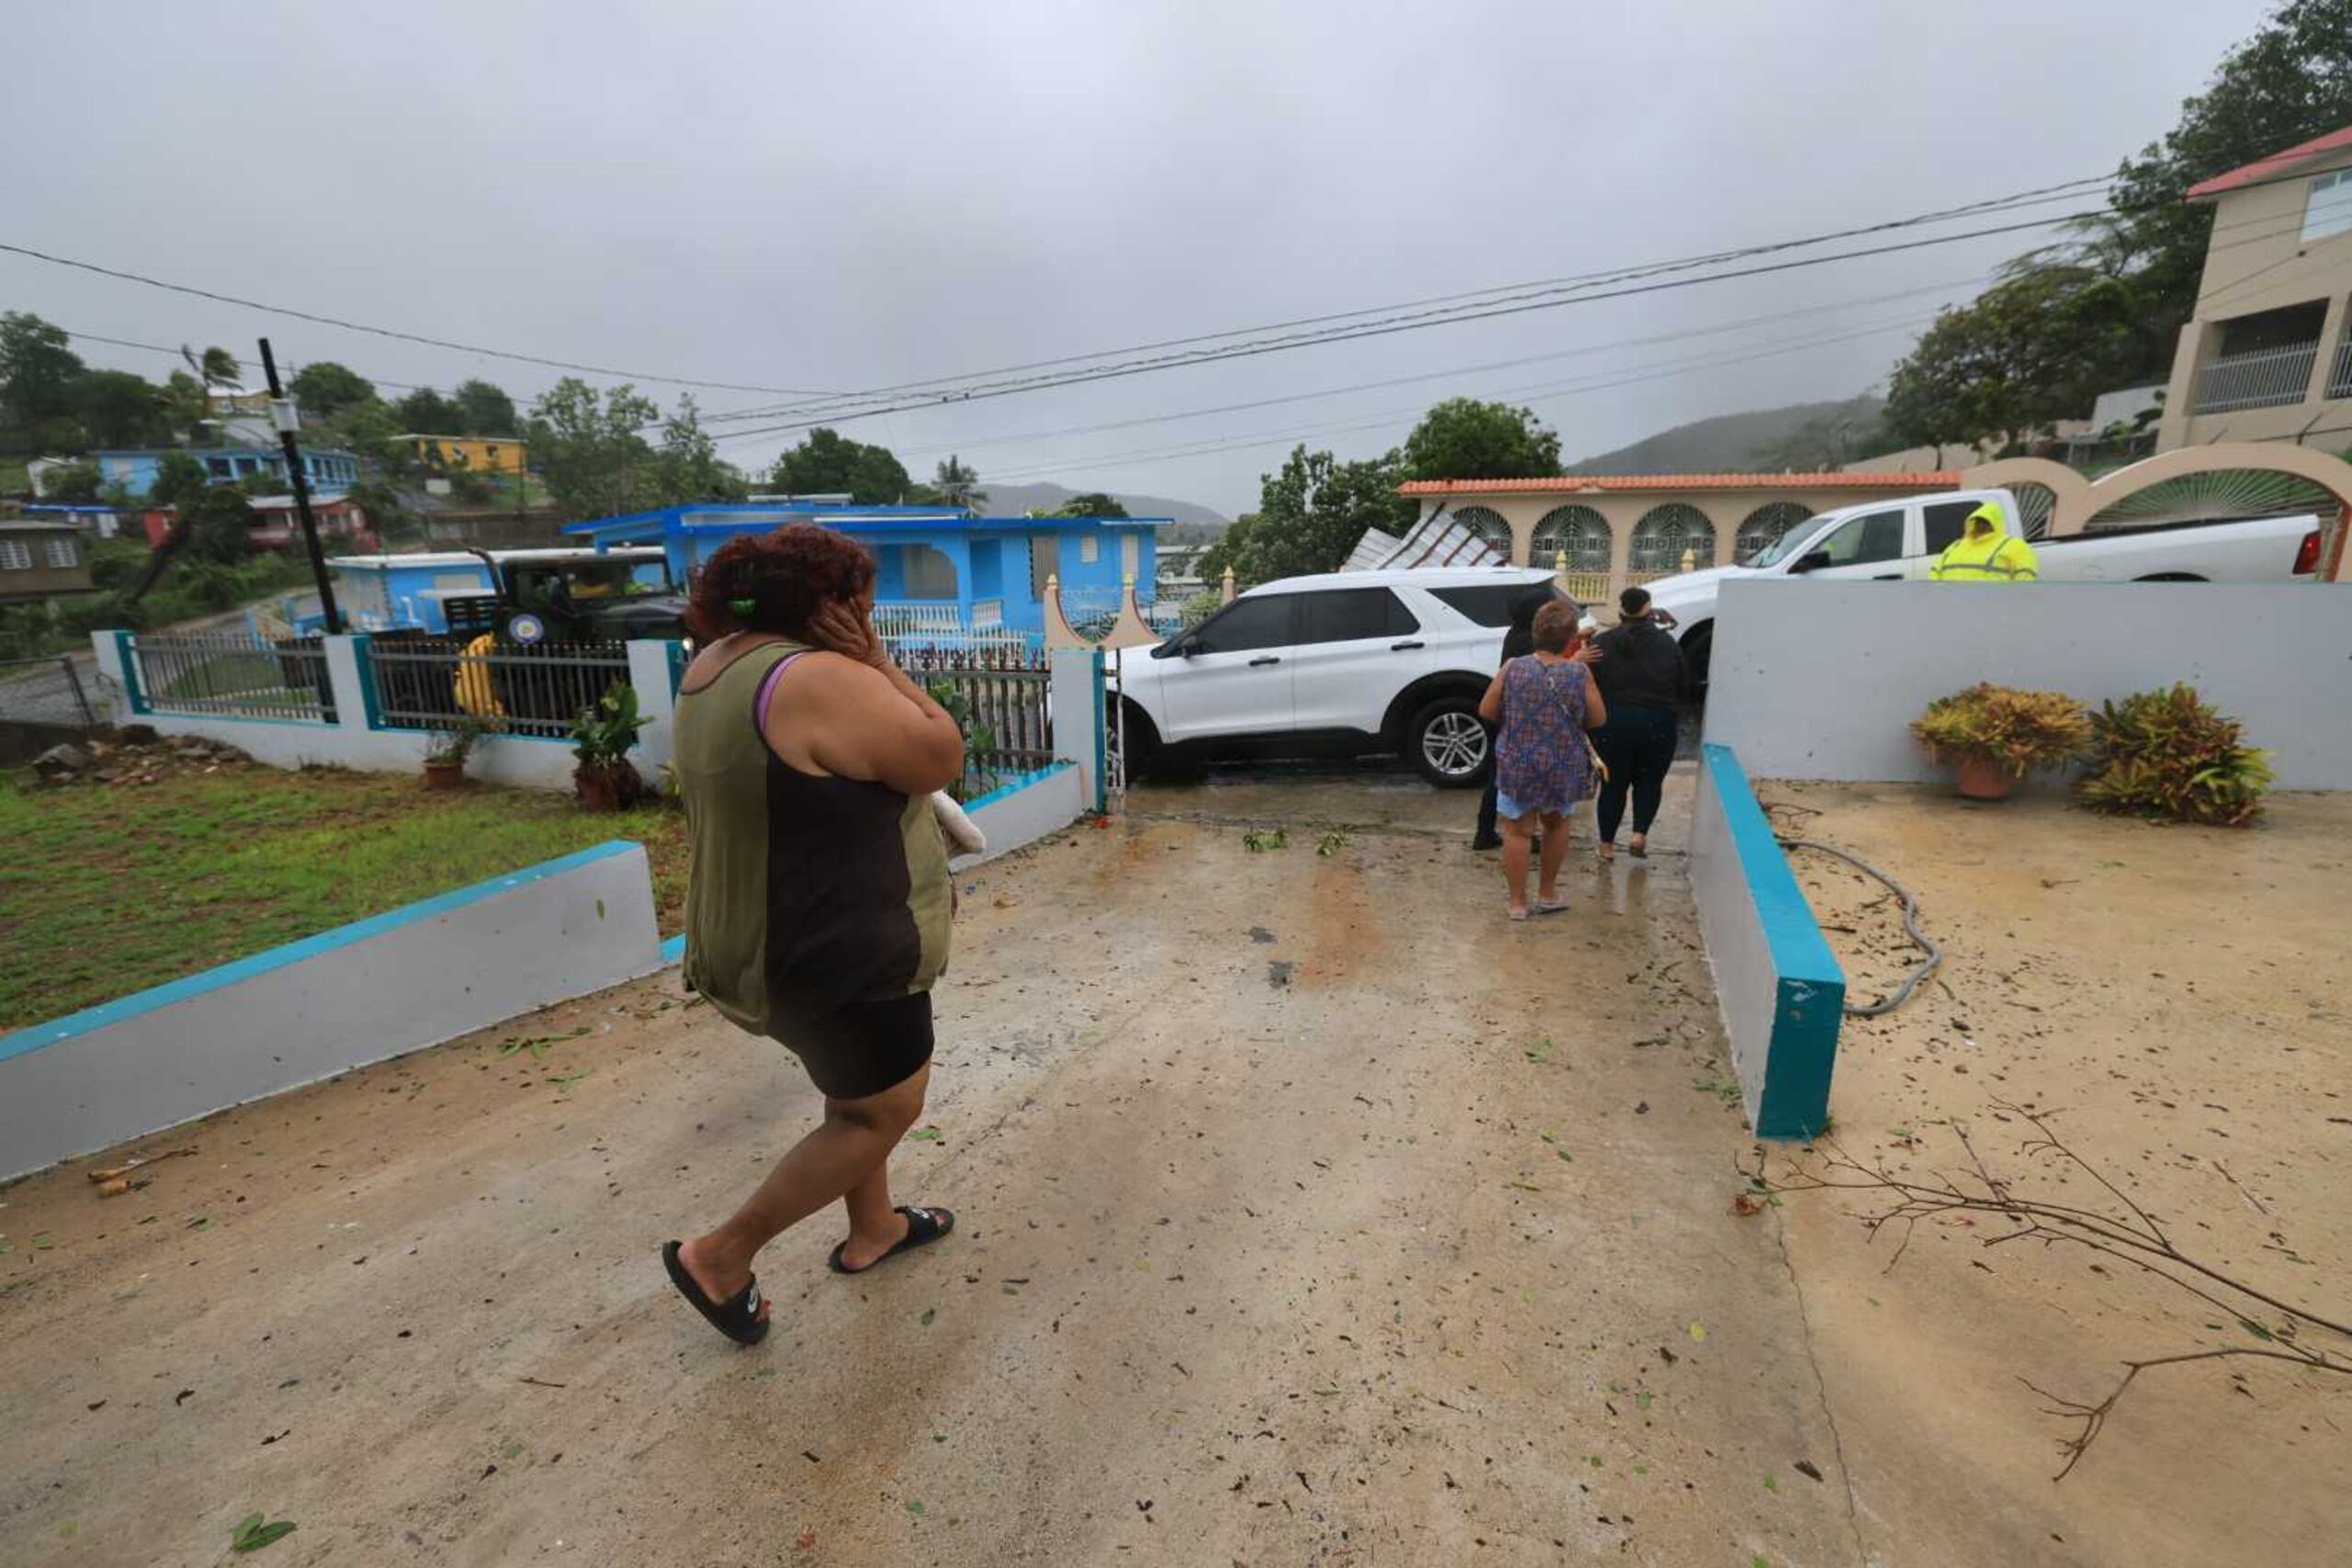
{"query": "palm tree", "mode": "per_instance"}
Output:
(954, 480)
(215, 368)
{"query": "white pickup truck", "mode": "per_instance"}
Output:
(1896, 540)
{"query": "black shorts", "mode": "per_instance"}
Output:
(861, 1048)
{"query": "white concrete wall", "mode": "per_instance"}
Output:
(1737, 949)
(1027, 810)
(1822, 680)
(379, 988)
(1079, 707)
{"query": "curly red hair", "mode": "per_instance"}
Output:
(775, 582)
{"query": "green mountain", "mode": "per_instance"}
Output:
(1796, 436)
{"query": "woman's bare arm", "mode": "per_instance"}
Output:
(1490, 707)
(857, 714)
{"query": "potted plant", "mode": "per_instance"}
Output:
(1994, 736)
(446, 748)
(604, 779)
(2170, 757)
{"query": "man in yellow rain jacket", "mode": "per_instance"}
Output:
(1984, 553)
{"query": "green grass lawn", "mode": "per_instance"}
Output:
(108, 890)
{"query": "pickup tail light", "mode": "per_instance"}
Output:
(2307, 557)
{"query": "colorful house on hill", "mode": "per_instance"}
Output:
(940, 569)
(330, 472)
(478, 454)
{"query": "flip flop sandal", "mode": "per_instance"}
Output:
(1551, 906)
(738, 1316)
(1640, 850)
(923, 1227)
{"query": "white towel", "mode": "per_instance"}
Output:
(963, 836)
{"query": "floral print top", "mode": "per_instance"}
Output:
(1542, 760)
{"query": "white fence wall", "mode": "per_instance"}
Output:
(379, 988)
(1822, 680)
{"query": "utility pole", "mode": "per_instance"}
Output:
(283, 415)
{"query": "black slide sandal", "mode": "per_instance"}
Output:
(923, 1227)
(738, 1316)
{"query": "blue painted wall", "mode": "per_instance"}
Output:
(258, 469)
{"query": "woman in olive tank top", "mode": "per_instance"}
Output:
(817, 901)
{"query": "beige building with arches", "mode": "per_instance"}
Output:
(1616, 529)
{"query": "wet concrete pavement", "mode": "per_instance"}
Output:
(1311, 1213)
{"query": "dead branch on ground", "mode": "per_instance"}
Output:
(2128, 1233)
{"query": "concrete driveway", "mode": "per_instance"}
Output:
(1311, 1213)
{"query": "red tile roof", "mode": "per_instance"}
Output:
(1574, 484)
(2277, 162)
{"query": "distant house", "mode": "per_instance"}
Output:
(479, 454)
(939, 568)
(2267, 354)
(329, 471)
(40, 558)
(278, 525)
(95, 521)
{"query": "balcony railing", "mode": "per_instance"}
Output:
(2339, 379)
(901, 618)
(2263, 378)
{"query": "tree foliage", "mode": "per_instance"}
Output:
(1309, 516)
(591, 446)
(37, 369)
(957, 483)
(74, 484)
(180, 481)
(482, 409)
(424, 412)
(829, 463)
(1092, 503)
(1463, 438)
(220, 523)
(323, 390)
(119, 409)
(2035, 348)
(687, 467)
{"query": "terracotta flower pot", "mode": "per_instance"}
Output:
(1980, 779)
(442, 773)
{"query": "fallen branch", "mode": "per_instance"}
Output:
(2133, 1236)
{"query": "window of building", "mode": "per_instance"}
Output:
(219, 466)
(16, 556)
(1090, 548)
(2327, 208)
(64, 553)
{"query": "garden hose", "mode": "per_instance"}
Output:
(1920, 938)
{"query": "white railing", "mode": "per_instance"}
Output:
(895, 618)
(2339, 379)
(987, 614)
(2263, 378)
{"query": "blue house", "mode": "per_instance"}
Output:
(258, 469)
(940, 569)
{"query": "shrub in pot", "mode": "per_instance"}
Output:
(604, 779)
(1994, 736)
(2170, 757)
(446, 746)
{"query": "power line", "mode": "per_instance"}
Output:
(1387, 417)
(2019, 199)
(397, 335)
(176, 354)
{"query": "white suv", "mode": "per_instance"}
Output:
(1343, 663)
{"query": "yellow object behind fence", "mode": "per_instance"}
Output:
(473, 686)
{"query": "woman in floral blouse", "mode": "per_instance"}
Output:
(1544, 765)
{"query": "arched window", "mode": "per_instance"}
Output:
(1579, 532)
(1766, 525)
(1664, 534)
(1487, 524)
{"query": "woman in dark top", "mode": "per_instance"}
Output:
(1642, 676)
(817, 898)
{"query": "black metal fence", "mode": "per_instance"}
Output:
(235, 675)
(1001, 696)
(426, 683)
(44, 691)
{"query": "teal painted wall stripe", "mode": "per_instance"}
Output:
(363, 652)
(1102, 736)
(106, 1014)
(1810, 989)
(1015, 785)
(128, 656)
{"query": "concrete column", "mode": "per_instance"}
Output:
(1726, 533)
(354, 693)
(1079, 714)
(2197, 342)
(652, 673)
(1620, 515)
(2331, 333)
(117, 679)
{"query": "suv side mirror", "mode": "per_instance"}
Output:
(1812, 561)
(1180, 646)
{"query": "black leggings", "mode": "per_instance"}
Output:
(1638, 744)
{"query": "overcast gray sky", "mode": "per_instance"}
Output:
(844, 196)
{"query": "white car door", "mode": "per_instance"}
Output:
(1357, 648)
(1870, 545)
(1230, 675)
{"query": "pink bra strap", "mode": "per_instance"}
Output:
(767, 690)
